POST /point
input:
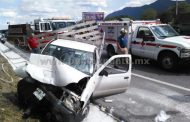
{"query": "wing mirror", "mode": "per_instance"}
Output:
(103, 73)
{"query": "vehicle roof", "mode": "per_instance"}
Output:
(54, 20)
(114, 23)
(150, 25)
(62, 20)
(74, 45)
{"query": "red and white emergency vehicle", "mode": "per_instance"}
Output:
(149, 39)
(19, 33)
(51, 24)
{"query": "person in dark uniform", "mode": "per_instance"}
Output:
(122, 42)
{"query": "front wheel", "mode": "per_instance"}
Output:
(25, 91)
(168, 61)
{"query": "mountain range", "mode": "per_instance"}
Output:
(135, 12)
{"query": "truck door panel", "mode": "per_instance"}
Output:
(136, 44)
(118, 77)
(113, 77)
(149, 43)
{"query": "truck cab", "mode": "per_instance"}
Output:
(160, 42)
(48, 25)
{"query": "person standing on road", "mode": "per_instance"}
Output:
(122, 42)
(33, 44)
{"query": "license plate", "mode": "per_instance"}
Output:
(39, 94)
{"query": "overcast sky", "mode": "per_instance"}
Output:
(22, 11)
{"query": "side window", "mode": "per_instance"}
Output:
(118, 66)
(144, 32)
(54, 26)
(45, 26)
(111, 30)
(62, 25)
(70, 23)
(36, 26)
(49, 50)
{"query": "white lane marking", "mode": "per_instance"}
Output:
(161, 82)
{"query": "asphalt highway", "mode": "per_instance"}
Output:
(153, 92)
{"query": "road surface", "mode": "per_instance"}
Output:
(153, 90)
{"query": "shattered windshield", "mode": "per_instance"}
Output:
(164, 31)
(78, 59)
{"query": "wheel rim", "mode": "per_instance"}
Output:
(167, 63)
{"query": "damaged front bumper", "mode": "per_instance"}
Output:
(61, 111)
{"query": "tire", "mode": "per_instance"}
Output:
(85, 111)
(24, 91)
(168, 61)
(110, 51)
(21, 98)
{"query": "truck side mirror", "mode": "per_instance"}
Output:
(103, 73)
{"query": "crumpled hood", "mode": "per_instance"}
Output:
(50, 70)
(180, 40)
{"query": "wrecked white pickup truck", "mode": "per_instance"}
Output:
(65, 76)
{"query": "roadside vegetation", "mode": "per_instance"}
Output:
(9, 108)
(180, 22)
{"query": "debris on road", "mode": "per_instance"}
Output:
(162, 117)
(96, 115)
(132, 101)
(108, 101)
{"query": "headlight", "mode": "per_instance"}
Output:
(185, 51)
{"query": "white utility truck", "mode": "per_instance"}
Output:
(149, 39)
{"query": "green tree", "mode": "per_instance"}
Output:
(165, 17)
(183, 7)
(170, 14)
(149, 14)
